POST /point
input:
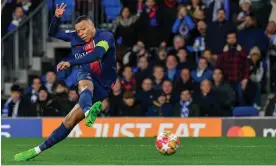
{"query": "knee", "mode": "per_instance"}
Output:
(84, 84)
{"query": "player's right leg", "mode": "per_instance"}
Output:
(73, 118)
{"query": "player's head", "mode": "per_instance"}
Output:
(85, 28)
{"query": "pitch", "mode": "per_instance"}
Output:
(121, 151)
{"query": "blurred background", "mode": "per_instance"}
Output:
(176, 58)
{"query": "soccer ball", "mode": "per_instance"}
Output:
(167, 143)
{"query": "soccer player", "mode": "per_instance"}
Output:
(95, 55)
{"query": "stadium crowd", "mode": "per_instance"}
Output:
(181, 58)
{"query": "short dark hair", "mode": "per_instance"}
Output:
(232, 32)
(16, 88)
(36, 77)
(204, 59)
(82, 18)
(221, 9)
(186, 89)
(43, 88)
(158, 66)
(128, 66)
(73, 88)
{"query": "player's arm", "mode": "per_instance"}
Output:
(101, 48)
(54, 30)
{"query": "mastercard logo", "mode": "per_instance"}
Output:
(245, 131)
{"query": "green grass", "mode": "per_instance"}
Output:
(142, 151)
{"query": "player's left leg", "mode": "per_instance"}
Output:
(60, 133)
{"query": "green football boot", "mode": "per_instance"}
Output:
(92, 114)
(25, 156)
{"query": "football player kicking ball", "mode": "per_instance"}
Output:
(95, 56)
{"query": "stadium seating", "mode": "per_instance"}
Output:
(245, 111)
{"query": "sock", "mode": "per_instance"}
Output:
(85, 100)
(58, 135)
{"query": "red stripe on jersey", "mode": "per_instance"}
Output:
(89, 46)
(94, 66)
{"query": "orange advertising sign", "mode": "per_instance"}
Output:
(140, 127)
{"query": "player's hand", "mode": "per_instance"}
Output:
(63, 65)
(60, 10)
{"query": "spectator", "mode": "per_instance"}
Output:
(256, 74)
(130, 107)
(16, 105)
(199, 36)
(169, 11)
(245, 6)
(158, 77)
(45, 106)
(178, 43)
(271, 107)
(195, 8)
(172, 70)
(135, 6)
(186, 106)
(202, 72)
(184, 61)
(18, 16)
(225, 93)
(115, 98)
(167, 90)
(161, 56)
(207, 54)
(150, 24)
(207, 100)
(32, 92)
(143, 71)
(146, 96)
(131, 57)
(128, 81)
(124, 28)
(183, 24)
(73, 95)
(229, 7)
(234, 64)
(160, 107)
(271, 32)
(60, 96)
(252, 36)
(216, 32)
(25, 4)
(185, 81)
(50, 81)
